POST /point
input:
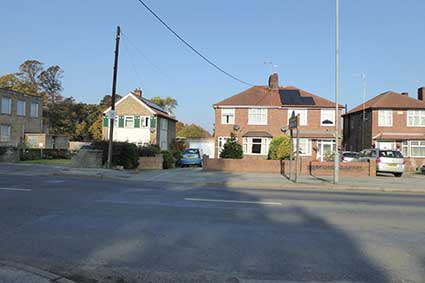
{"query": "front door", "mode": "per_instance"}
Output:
(324, 147)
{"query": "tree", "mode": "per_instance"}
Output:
(29, 73)
(232, 149)
(167, 103)
(191, 131)
(279, 147)
(50, 83)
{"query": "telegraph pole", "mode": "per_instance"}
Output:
(336, 169)
(114, 88)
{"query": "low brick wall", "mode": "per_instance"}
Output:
(307, 168)
(151, 162)
(87, 158)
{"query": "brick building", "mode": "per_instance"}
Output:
(20, 114)
(140, 121)
(259, 113)
(389, 121)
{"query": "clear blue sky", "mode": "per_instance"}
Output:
(383, 38)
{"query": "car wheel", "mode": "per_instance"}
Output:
(398, 174)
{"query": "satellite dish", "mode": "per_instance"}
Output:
(236, 127)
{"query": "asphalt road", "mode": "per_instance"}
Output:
(116, 231)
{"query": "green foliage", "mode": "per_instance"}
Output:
(149, 150)
(4, 149)
(169, 160)
(191, 131)
(123, 154)
(329, 156)
(280, 147)
(167, 103)
(178, 145)
(35, 154)
(232, 149)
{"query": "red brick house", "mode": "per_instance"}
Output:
(258, 114)
(389, 121)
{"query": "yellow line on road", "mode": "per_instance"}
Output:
(234, 201)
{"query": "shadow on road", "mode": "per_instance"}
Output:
(159, 236)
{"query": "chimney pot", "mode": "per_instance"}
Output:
(421, 93)
(274, 81)
(405, 93)
(137, 92)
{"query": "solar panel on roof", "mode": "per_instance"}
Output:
(153, 105)
(293, 97)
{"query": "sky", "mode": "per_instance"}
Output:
(383, 39)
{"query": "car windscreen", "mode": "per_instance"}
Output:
(350, 154)
(191, 151)
(390, 154)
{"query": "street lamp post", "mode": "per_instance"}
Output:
(336, 160)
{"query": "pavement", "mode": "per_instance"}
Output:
(21, 273)
(389, 183)
(91, 230)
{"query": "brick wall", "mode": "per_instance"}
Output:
(307, 168)
(151, 162)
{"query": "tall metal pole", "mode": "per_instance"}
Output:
(297, 163)
(364, 109)
(291, 153)
(114, 88)
(336, 169)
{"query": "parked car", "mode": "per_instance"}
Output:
(348, 156)
(191, 156)
(387, 161)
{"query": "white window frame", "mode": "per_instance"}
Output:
(34, 110)
(129, 119)
(220, 144)
(144, 122)
(301, 111)
(324, 115)
(3, 105)
(411, 114)
(257, 116)
(248, 143)
(227, 116)
(305, 146)
(24, 104)
(383, 115)
(5, 133)
(408, 145)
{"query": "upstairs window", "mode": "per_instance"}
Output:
(327, 117)
(416, 118)
(302, 113)
(34, 110)
(20, 108)
(257, 116)
(228, 116)
(385, 118)
(6, 105)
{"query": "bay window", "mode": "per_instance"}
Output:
(256, 145)
(413, 148)
(305, 146)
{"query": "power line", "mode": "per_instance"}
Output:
(191, 47)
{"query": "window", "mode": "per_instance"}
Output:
(385, 118)
(33, 141)
(6, 105)
(257, 116)
(413, 148)
(145, 122)
(20, 108)
(416, 118)
(256, 145)
(129, 122)
(327, 117)
(221, 142)
(4, 133)
(302, 113)
(228, 116)
(305, 146)
(34, 110)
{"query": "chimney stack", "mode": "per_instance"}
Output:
(421, 93)
(274, 81)
(137, 92)
(405, 93)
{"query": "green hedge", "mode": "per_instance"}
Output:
(123, 153)
(149, 150)
(35, 153)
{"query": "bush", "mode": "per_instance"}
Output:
(232, 149)
(329, 156)
(123, 154)
(280, 147)
(149, 150)
(178, 145)
(48, 153)
(169, 160)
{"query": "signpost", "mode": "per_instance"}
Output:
(293, 124)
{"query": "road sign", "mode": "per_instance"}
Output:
(112, 114)
(293, 121)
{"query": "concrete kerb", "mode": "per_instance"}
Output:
(52, 277)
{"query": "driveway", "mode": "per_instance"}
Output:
(92, 230)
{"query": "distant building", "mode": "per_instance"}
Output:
(390, 120)
(140, 121)
(259, 113)
(20, 114)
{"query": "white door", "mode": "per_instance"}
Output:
(324, 147)
(163, 134)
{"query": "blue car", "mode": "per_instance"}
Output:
(191, 156)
